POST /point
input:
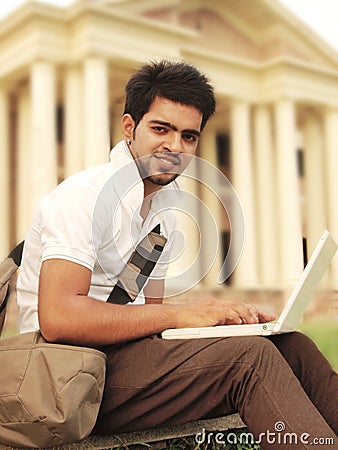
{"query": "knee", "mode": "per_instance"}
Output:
(301, 342)
(249, 352)
(296, 343)
(299, 351)
(258, 351)
(297, 338)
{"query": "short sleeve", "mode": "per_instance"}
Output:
(66, 226)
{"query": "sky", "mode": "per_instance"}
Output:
(320, 15)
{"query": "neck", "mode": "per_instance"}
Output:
(150, 188)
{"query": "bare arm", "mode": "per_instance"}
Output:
(67, 314)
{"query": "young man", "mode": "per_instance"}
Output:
(79, 243)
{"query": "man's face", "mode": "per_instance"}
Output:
(163, 141)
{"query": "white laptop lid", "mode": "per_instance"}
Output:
(312, 274)
(294, 309)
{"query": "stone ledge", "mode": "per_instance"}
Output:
(153, 435)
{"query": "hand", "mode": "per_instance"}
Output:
(210, 312)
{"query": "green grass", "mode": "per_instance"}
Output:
(190, 443)
(324, 332)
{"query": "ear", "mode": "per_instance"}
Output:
(128, 125)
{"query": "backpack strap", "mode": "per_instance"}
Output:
(16, 253)
(131, 280)
(138, 268)
(8, 267)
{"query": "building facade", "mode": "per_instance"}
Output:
(275, 133)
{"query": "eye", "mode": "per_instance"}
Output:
(159, 129)
(189, 137)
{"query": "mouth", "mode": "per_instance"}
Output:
(167, 161)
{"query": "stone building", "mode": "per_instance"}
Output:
(275, 133)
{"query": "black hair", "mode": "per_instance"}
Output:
(178, 82)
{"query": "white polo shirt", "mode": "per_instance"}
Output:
(93, 219)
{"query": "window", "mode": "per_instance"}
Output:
(223, 149)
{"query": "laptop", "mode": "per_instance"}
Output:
(293, 311)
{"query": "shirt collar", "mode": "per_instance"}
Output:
(130, 184)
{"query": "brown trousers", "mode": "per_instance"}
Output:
(154, 382)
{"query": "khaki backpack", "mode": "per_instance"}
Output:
(50, 393)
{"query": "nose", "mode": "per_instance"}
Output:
(173, 143)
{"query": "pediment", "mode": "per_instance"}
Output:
(258, 31)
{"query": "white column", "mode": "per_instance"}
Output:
(4, 174)
(184, 270)
(288, 198)
(331, 148)
(73, 148)
(43, 158)
(96, 112)
(208, 152)
(267, 241)
(245, 274)
(24, 176)
(314, 181)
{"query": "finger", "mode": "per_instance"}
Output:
(266, 317)
(254, 313)
(247, 312)
(230, 316)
